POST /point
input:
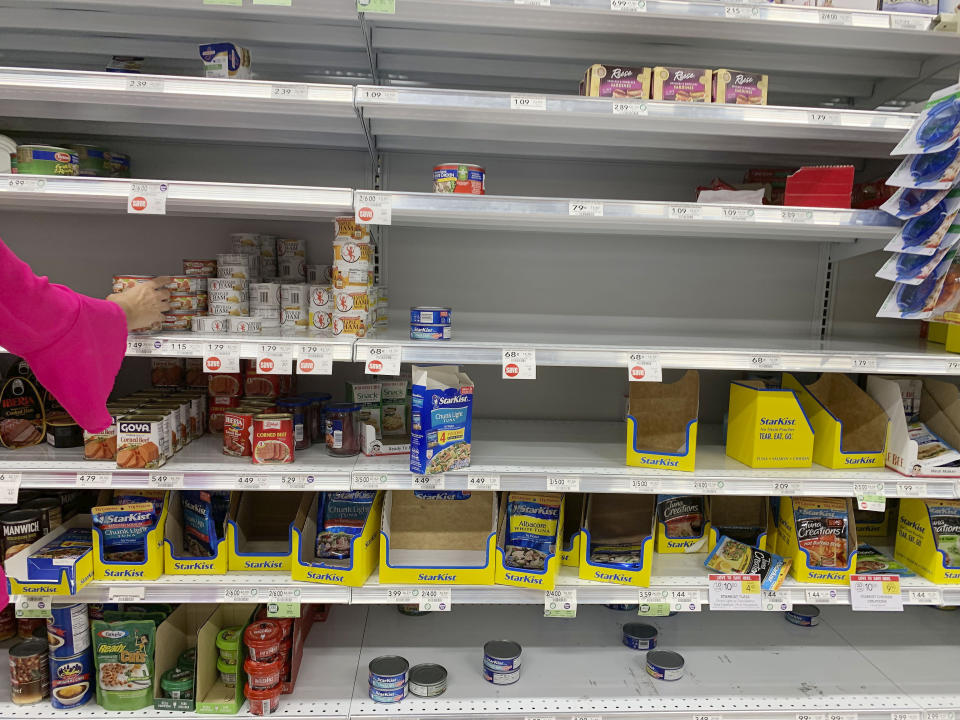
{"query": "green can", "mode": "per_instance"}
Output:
(93, 161)
(46, 160)
(177, 683)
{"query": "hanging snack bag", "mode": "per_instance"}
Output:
(340, 518)
(908, 203)
(124, 530)
(531, 529)
(123, 655)
(917, 302)
(932, 171)
(822, 531)
(732, 557)
(910, 269)
(936, 128)
(200, 531)
(928, 233)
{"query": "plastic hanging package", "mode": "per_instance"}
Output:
(931, 171)
(531, 529)
(936, 128)
(340, 518)
(200, 532)
(917, 302)
(910, 269)
(927, 233)
(908, 203)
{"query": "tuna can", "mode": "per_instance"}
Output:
(68, 630)
(51, 516)
(183, 302)
(185, 284)
(430, 332)
(622, 606)
(118, 164)
(237, 432)
(428, 680)
(243, 325)
(201, 268)
(459, 178)
(234, 271)
(502, 656)
(639, 636)
(92, 160)
(426, 315)
(273, 439)
(665, 664)
(71, 680)
(47, 160)
(179, 320)
(210, 324)
(389, 672)
(804, 615)
(388, 696)
(501, 678)
(29, 672)
(21, 528)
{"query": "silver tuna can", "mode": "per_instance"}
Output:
(428, 680)
(665, 664)
(804, 615)
(639, 636)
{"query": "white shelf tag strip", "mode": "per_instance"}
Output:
(933, 596)
(822, 596)
(644, 367)
(709, 487)
(384, 95)
(870, 496)
(796, 216)
(165, 480)
(776, 602)
(296, 482)
(33, 606)
(831, 17)
(684, 212)
(738, 214)
(483, 481)
(380, 359)
(685, 600)
(643, 485)
(864, 364)
(238, 595)
(10, 487)
(94, 480)
(139, 347)
(288, 92)
(367, 481)
(563, 483)
(147, 199)
(519, 364)
(875, 592)
(428, 482)
(274, 359)
(221, 357)
(911, 489)
(122, 593)
(905, 716)
(823, 117)
(179, 347)
(436, 599)
(628, 5)
(766, 361)
(811, 716)
(939, 715)
(560, 603)
(952, 366)
(911, 22)
(25, 184)
(315, 360)
(585, 208)
(528, 102)
(253, 482)
(141, 84)
(787, 487)
(372, 208)
(629, 107)
(735, 592)
(841, 716)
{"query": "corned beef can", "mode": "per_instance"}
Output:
(273, 439)
(459, 178)
(202, 268)
(237, 432)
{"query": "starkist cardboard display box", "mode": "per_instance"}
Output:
(175, 559)
(529, 577)
(767, 427)
(260, 529)
(662, 423)
(618, 526)
(574, 506)
(746, 519)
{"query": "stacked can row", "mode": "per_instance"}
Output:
(359, 306)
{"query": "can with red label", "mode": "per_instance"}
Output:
(459, 178)
(237, 432)
(273, 439)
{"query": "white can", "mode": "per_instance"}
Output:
(346, 300)
(210, 324)
(294, 318)
(241, 272)
(350, 253)
(235, 309)
(243, 325)
(291, 247)
(265, 294)
(319, 274)
(352, 323)
(346, 226)
(264, 312)
(321, 297)
(344, 278)
(321, 322)
(244, 242)
(227, 296)
(268, 246)
(237, 284)
(294, 295)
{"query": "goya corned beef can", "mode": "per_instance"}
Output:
(459, 178)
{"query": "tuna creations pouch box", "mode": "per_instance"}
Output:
(744, 519)
(662, 423)
(441, 418)
(928, 538)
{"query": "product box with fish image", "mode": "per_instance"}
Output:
(662, 423)
(616, 543)
(183, 542)
(767, 427)
(440, 419)
(820, 536)
(128, 529)
(260, 529)
(928, 539)
(528, 539)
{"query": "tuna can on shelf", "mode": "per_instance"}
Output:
(459, 178)
(431, 332)
(639, 636)
(428, 680)
(804, 615)
(428, 315)
(502, 656)
(47, 160)
(388, 672)
(665, 664)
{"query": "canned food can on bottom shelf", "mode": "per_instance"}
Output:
(428, 680)
(502, 656)
(501, 678)
(639, 636)
(459, 178)
(71, 680)
(350, 324)
(804, 615)
(47, 160)
(665, 664)
(428, 315)
(68, 630)
(388, 672)
(430, 332)
(29, 672)
(411, 610)
(388, 696)
(21, 528)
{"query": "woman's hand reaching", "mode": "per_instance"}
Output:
(144, 303)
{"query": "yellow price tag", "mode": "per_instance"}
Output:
(750, 587)
(891, 588)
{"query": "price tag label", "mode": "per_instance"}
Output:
(10, 487)
(870, 496)
(428, 482)
(766, 362)
(179, 347)
(952, 366)
(274, 359)
(735, 592)
(483, 481)
(288, 92)
(560, 603)
(643, 485)
(238, 595)
(628, 5)
(832, 17)
(528, 102)
(367, 481)
(822, 596)
(386, 7)
(519, 364)
(796, 216)
(538, 3)
(710, 487)
(94, 480)
(823, 117)
(841, 716)
(875, 592)
(313, 359)
(685, 600)
(252, 482)
(864, 364)
(379, 94)
(563, 483)
(296, 482)
(165, 480)
(435, 599)
(736, 12)
(145, 84)
(147, 199)
(910, 22)
(738, 214)
(22, 183)
(786, 487)
(380, 359)
(132, 593)
(774, 601)
(586, 208)
(939, 715)
(372, 208)
(139, 347)
(811, 716)
(221, 358)
(33, 606)
(653, 609)
(644, 367)
(933, 596)
(403, 597)
(708, 717)
(911, 489)
(905, 716)
(647, 595)
(630, 107)
(685, 212)
(283, 610)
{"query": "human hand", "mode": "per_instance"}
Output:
(144, 303)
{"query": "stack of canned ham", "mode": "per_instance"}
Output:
(358, 305)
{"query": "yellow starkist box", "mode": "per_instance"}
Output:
(767, 427)
(937, 332)
(438, 538)
(850, 428)
(150, 568)
(618, 530)
(260, 529)
(951, 337)
(682, 524)
(352, 571)
(175, 560)
(533, 514)
(53, 579)
(811, 561)
(662, 424)
(736, 515)
(573, 507)
(928, 539)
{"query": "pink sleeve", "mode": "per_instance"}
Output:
(73, 343)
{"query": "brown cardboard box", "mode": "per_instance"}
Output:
(174, 635)
(663, 412)
(940, 409)
(617, 520)
(738, 511)
(864, 421)
(212, 695)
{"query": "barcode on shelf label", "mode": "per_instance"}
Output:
(735, 592)
(796, 216)
(372, 208)
(563, 483)
(274, 359)
(560, 603)
(911, 489)
(238, 594)
(952, 366)
(380, 359)
(145, 84)
(94, 480)
(428, 482)
(25, 184)
(519, 364)
(315, 359)
(139, 347)
(629, 107)
(628, 5)
(875, 592)
(367, 481)
(10, 487)
(643, 485)
(910, 22)
(823, 117)
(684, 212)
(739, 214)
(644, 367)
(377, 94)
(133, 593)
(766, 362)
(586, 208)
(822, 596)
(786, 487)
(165, 480)
(252, 482)
(436, 599)
(483, 481)
(288, 92)
(528, 102)
(774, 601)
(863, 364)
(147, 199)
(708, 486)
(33, 606)
(179, 347)
(925, 597)
(221, 358)
(296, 482)
(832, 17)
